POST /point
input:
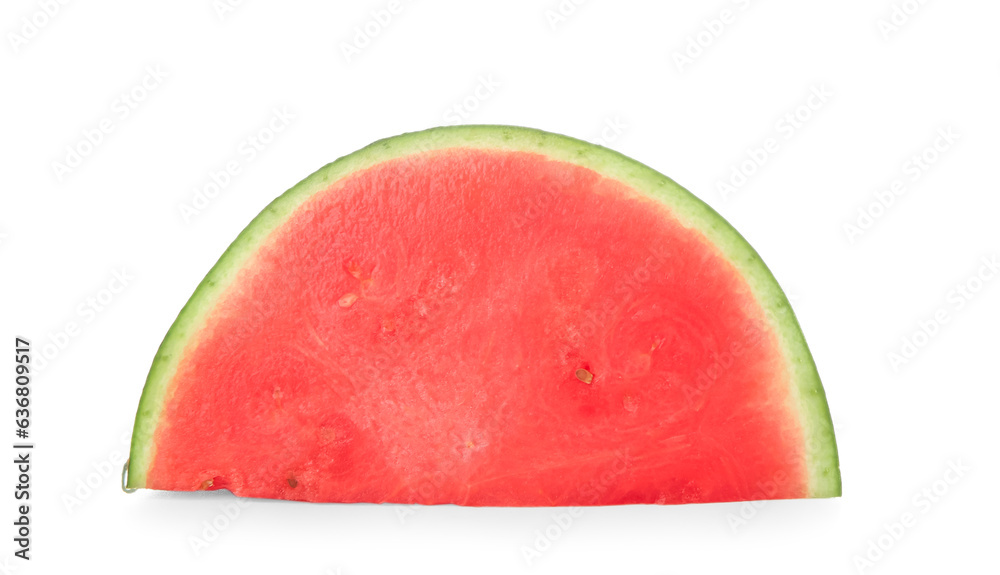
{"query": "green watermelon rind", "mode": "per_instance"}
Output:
(807, 389)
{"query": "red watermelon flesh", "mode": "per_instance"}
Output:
(481, 325)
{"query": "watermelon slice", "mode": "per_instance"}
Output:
(487, 316)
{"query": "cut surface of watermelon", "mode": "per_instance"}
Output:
(487, 315)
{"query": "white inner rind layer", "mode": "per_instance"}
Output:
(806, 390)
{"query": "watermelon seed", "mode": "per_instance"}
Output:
(206, 485)
(630, 404)
(292, 482)
(584, 376)
(348, 300)
(354, 269)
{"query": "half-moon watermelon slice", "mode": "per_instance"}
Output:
(487, 316)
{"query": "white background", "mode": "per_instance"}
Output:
(608, 63)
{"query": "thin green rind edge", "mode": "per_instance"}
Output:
(807, 389)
